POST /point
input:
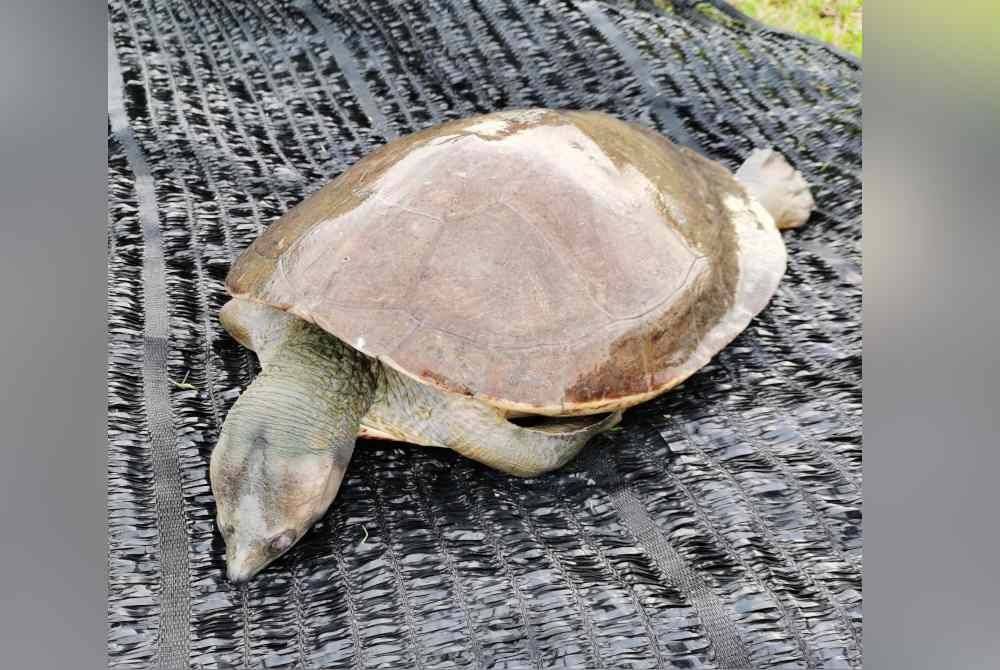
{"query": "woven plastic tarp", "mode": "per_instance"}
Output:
(718, 527)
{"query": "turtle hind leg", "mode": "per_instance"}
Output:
(481, 433)
(779, 187)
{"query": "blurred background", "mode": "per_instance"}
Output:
(835, 21)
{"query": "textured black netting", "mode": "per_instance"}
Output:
(719, 527)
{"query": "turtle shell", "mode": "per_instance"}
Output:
(547, 262)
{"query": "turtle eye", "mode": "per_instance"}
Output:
(283, 541)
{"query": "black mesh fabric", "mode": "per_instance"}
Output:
(718, 527)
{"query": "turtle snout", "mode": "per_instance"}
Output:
(244, 562)
(236, 576)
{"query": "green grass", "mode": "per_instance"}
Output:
(835, 21)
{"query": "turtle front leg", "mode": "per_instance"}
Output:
(481, 433)
(779, 187)
(413, 412)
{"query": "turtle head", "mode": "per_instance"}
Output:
(267, 496)
(273, 476)
(285, 445)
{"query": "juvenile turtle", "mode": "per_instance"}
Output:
(554, 264)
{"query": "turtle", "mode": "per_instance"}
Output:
(502, 285)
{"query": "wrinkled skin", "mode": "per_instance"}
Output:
(287, 441)
(285, 446)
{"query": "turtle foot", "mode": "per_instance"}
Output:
(779, 187)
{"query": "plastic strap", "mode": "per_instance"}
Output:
(175, 605)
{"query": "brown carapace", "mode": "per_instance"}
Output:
(544, 262)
